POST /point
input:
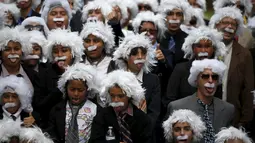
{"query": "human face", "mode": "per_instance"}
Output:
(9, 19)
(59, 51)
(76, 91)
(37, 54)
(234, 141)
(207, 82)
(54, 20)
(96, 13)
(182, 132)
(174, 19)
(9, 97)
(228, 26)
(203, 50)
(92, 40)
(23, 4)
(136, 56)
(14, 52)
(144, 7)
(150, 30)
(194, 3)
(118, 95)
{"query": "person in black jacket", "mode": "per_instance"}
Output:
(122, 94)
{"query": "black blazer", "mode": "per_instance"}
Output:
(140, 126)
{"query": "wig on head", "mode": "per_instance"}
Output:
(217, 4)
(9, 129)
(182, 116)
(232, 133)
(198, 66)
(204, 33)
(148, 16)
(127, 82)
(152, 3)
(100, 30)
(77, 5)
(231, 12)
(34, 134)
(21, 88)
(131, 41)
(12, 8)
(122, 7)
(132, 6)
(202, 4)
(65, 38)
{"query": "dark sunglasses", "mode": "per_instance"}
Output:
(34, 27)
(207, 76)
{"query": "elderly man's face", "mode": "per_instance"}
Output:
(62, 56)
(12, 98)
(234, 141)
(174, 19)
(12, 54)
(150, 30)
(136, 59)
(203, 50)
(76, 91)
(207, 82)
(229, 27)
(33, 59)
(90, 41)
(118, 96)
(96, 13)
(194, 3)
(57, 18)
(182, 132)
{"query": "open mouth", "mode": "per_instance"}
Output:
(61, 63)
(59, 23)
(209, 89)
(13, 60)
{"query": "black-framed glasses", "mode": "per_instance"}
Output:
(34, 27)
(207, 76)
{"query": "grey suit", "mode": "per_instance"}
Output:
(223, 112)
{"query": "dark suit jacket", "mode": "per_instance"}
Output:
(240, 84)
(223, 111)
(140, 126)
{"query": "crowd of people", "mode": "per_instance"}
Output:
(126, 71)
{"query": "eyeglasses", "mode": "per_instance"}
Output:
(151, 31)
(34, 27)
(207, 76)
(171, 13)
(145, 7)
(206, 46)
(226, 23)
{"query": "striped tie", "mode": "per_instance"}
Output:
(124, 129)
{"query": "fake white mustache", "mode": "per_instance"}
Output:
(174, 21)
(32, 57)
(11, 56)
(60, 58)
(116, 104)
(209, 85)
(58, 19)
(229, 30)
(185, 137)
(9, 105)
(22, 0)
(91, 48)
(202, 54)
(142, 61)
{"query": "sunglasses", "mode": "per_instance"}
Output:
(207, 76)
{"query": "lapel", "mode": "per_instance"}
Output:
(111, 116)
(218, 109)
(195, 107)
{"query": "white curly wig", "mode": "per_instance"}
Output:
(202, 33)
(77, 5)
(1, 20)
(127, 82)
(67, 39)
(123, 8)
(232, 133)
(130, 42)
(132, 6)
(148, 16)
(100, 30)
(202, 4)
(198, 66)
(169, 5)
(182, 116)
(12, 8)
(9, 129)
(217, 4)
(153, 3)
(33, 134)
(199, 14)
(105, 8)
(231, 12)
(22, 89)
(48, 4)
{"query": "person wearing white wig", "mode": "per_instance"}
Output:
(76, 110)
(206, 75)
(229, 21)
(123, 93)
(10, 131)
(132, 9)
(201, 4)
(11, 14)
(120, 8)
(76, 5)
(15, 99)
(98, 44)
(183, 125)
(33, 135)
(147, 5)
(57, 14)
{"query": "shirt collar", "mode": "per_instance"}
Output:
(129, 110)
(17, 114)
(139, 76)
(229, 46)
(21, 19)
(6, 73)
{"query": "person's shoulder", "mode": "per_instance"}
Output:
(140, 115)
(227, 105)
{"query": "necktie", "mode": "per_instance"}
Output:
(171, 48)
(124, 129)
(13, 117)
(209, 133)
(73, 133)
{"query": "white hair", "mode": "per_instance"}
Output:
(231, 12)
(102, 31)
(148, 16)
(202, 4)
(105, 8)
(12, 8)
(201, 33)
(217, 4)
(131, 4)
(198, 66)
(130, 42)
(9, 128)
(123, 8)
(67, 39)
(77, 5)
(199, 14)
(35, 3)
(182, 116)
(232, 133)
(127, 82)
(21, 88)
(152, 3)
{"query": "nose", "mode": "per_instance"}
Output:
(60, 54)
(210, 79)
(139, 55)
(182, 131)
(10, 100)
(13, 51)
(93, 14)
(115, 99)
(76, 92)
(174, 16)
